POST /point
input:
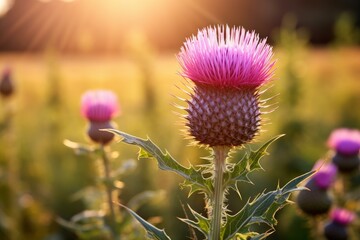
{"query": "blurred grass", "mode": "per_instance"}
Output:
(46, 111)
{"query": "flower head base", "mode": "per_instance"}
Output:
(314, 201)
(227, 66)
(6, 83)
(223, 117)
(99, 105)
(345, 141)
(325, 175)
(227, 57)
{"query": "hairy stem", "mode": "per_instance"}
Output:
(109, 189)
(218, 197)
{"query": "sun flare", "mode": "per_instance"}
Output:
(5, 5)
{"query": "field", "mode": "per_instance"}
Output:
(317, 90)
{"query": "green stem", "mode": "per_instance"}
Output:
(218, 198)
(109, 189)
(316, 228)
(12, 174)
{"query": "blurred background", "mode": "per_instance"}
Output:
(57, 49)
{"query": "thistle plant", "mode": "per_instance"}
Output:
(332, 200)
(318, 200)
(103, 219)
(227, 67)
(6, 83)
(9, 164)
(346, 144)
(336, 228)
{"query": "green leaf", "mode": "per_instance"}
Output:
(79, 149)
(248, 164)
(152, 231)
(261, 209)
(251, 236)
(146, 197)
(193, 176)
(202, 223)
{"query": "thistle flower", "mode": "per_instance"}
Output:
(316, 200)
(346, 143)
(99, 107)
(6, 83)
(336, 229)
(227, 66)
(325, 175)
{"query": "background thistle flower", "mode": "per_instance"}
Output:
(227, 66)
(99, 107)
(336, 229)
(6, 83)
(316, 200)
(346, 144)
(325, 175)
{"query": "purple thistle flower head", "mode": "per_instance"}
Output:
(220, 56)
(345, 141)
(227, 66)
(6, 83)
(342, 216)
(99, 105)
(325, 175)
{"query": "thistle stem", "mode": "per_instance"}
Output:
(316, 228)
(109, 189)
(218, 198)
(12, 174)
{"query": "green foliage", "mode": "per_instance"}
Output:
(152, 231)
(345, 31)
(202, 223)
(88, 224)
(193, 176)
(261, 210)
(251, 162)
(95, 224)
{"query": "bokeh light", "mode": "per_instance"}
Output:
(5, 5)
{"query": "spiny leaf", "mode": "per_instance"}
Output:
(255, 156)
(152, 231)
(202, 223)
(167, 162)
(249, 163)
(261, 209)
(251, 236)
(292, 185)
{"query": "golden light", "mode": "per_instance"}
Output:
(87, 25)
(5, 5)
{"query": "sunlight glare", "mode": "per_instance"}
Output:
(5, 5)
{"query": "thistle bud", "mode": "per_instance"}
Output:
(346, 144)
(99, 107)
(228, 66)
(98, 136)
(314, 201)
(336, 229)
(6, 83)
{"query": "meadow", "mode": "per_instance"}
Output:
(315, 89)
